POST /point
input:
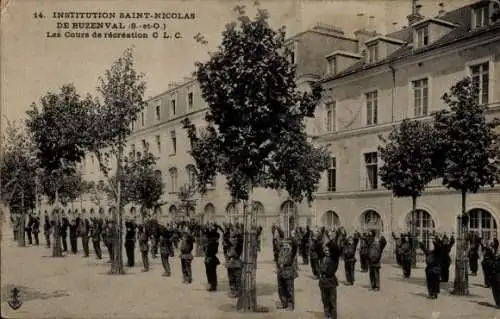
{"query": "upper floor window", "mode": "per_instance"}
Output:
(144, 145)
(157, 113)
(173, 106)
(332, 175)
(132, 126)
(173, 139)
(422, 37)
(481, 16)
(191, 176)
(331, 116)
(331, 66)
(371, 108)
(158, 143)
(480, 74)
(190, 100)
(371, 170)
(420, 97)
(173, 179)
(142, 118)
(372, 53)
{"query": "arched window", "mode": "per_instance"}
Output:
(288, 216)
(424, 225)
(172, 211)
(209, 212)
(191, 176)
(482, 223)
(371, 220)
(173, 180)
(92, 212)
(133, 211)
(232, 212)
(101, 211)
(331, 220)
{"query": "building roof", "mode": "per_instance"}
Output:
(461, 17)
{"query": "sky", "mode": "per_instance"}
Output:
(32, 64)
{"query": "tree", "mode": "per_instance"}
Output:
(470, 157)
(19, 174)
(256, 132)
(188, 204)
(141, 183)
(58, 128)
(122, 90)
(408, 164)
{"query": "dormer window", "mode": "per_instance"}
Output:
(481, 16)
(331, 66)
(372, 53)
(422, 37)
(292, 53)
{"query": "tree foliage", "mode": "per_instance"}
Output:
(186, 197)
(467, 141)
(18, 169)
(142, 183)
(408, 158)
(109, 121)
(256, 131)
(68, 183)
(58, 125)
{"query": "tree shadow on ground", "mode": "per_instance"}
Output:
(485, 304)
(28, 294)
(480, 286)
(263, 289)
(260, 311)
(412, 280)
(316, 314)
(420, 294)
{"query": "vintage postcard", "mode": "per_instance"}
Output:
(232, 159)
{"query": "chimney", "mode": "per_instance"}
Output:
(441, 11)
(361, 36)
(371, 23)
(415, 15)
(394, 26)
(328, 28)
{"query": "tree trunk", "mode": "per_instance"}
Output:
(21, 234)
(117, 262)
(461, 282)
(56, 245)
(413, 230)
(247, 302)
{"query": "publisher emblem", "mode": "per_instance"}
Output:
(15, 301)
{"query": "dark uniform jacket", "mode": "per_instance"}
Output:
(35, 226)
(187, 245)
(286, 259)
(375, 250)
(235, 250)
(143, 241)
(165, 244)
(433, 258)
(349, 249)
(130, 231)
(328, 266)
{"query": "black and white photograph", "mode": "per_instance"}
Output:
(184, 159)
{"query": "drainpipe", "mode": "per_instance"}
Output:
(391, 206)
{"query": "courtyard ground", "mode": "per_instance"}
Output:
(76, 287)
